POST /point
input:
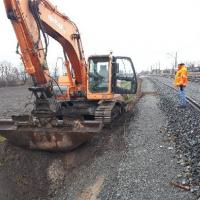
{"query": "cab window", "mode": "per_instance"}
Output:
(124, 77)
(98, 75)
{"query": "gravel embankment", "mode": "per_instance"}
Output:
(138, 165)
(148, 166)
(183, 127)
(192, 89)
(131, 161)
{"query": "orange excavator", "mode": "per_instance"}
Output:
(70, 109)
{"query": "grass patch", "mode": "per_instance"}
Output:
(21, 180)
(2, 139)
(3, 161)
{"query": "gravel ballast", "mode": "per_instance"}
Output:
(131, 160)
(149, 165)
(192, 89)
(183, 126)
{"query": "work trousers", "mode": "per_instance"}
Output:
(182, 96)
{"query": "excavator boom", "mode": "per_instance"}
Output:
(34, 21)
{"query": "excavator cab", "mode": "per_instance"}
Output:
(109, 75)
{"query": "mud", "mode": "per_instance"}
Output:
(126, 161)
(26, 174)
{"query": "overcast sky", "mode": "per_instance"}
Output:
(145, 30)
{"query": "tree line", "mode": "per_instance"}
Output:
(11, 75)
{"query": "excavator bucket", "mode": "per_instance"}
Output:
(60, 137)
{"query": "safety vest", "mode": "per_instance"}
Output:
(181, 77)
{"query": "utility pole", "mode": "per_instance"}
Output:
(175, 62)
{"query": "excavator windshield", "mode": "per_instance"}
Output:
(99, 74)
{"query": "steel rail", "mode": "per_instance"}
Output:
(190, 100)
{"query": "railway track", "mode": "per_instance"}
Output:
(183, 126)
(190, 100)
(193, 78)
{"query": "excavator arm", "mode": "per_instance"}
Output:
(34, 21)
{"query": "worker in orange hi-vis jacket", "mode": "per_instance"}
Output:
(181, 81)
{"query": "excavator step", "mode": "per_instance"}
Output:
(57, 138)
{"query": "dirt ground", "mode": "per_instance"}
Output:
(120, 163)
(35, 175)
(14, 100)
